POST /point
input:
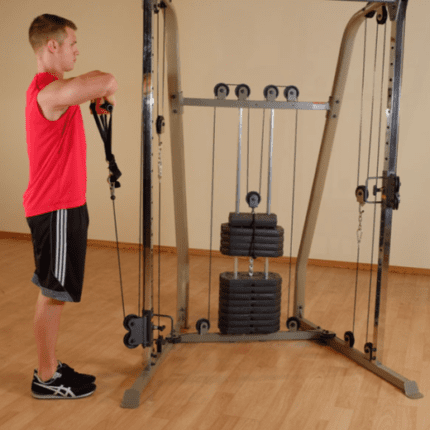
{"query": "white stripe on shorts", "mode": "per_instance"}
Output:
(61, 249)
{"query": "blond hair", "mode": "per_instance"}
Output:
(47, 27)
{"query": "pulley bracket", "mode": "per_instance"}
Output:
(382, 16)
(392, 186)
(160, 124)
(141, 331)
(369, 350)
(362, 192)
(390, 191)
(158, 6)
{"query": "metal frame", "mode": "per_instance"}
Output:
(372, 359)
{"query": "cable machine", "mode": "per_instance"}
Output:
(258, 235)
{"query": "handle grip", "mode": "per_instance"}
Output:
(107, 106)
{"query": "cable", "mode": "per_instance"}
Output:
(401, 74)
(292, 209)
(373, 102)
(212, 214)
(105, 130)
(362, 102)
(358, 175)
(368, 172)
(262, 153)
(164, 57)
(359, 231)
(119, 261)
(160, 146)
(247, 169)
(140, 235)
(377, 174)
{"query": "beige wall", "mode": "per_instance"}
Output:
(254, 42)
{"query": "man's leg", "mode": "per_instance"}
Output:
(46, 326)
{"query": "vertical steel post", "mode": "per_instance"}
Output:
(178, 164)
(390, 168)
(332, 120)
(146, 138)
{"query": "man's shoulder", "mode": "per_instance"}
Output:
(48, 100)
(49, 94)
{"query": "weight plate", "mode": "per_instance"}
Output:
(258, 232)
(249, 330)
(251, 252)
(247, 240)
(243, 279)
(254, 317)
(249, 296)
(247, 246)
(245, 219)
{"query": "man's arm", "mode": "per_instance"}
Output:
(69, 92)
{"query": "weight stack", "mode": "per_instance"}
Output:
(252, 235)
(249, 305)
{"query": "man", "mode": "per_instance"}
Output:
(55, 200)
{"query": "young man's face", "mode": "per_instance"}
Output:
(68, 52)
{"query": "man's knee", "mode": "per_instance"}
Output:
(50, 301)
(56, 302)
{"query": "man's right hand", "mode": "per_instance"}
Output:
(99, 110)
(111, 99)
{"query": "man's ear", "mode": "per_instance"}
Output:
(52, 44)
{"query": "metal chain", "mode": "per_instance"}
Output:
(251, 267)
(360, 224)
(160, 161)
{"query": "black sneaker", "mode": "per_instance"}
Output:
(81, 377)
(60, 387)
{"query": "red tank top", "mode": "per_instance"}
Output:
(57, 155)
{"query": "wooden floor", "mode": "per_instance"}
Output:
(297, 385)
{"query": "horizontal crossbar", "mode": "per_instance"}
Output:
(367, 1)
(255, 104)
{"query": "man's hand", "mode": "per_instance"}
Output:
(110, 99)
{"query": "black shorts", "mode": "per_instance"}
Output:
(60, 246)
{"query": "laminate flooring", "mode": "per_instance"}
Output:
(292, 385)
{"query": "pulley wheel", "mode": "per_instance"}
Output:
(293, 324)
(271, 92)
(368, 348)
(203, 325)
(382, 19)
(127, 339)
(221, 91)
(291, 93)
(397, 185)
(127, 319)
(242, 90)
(349, 337)
(253, 199)
(362, 194)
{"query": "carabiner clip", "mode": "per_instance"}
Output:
(112, 187)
